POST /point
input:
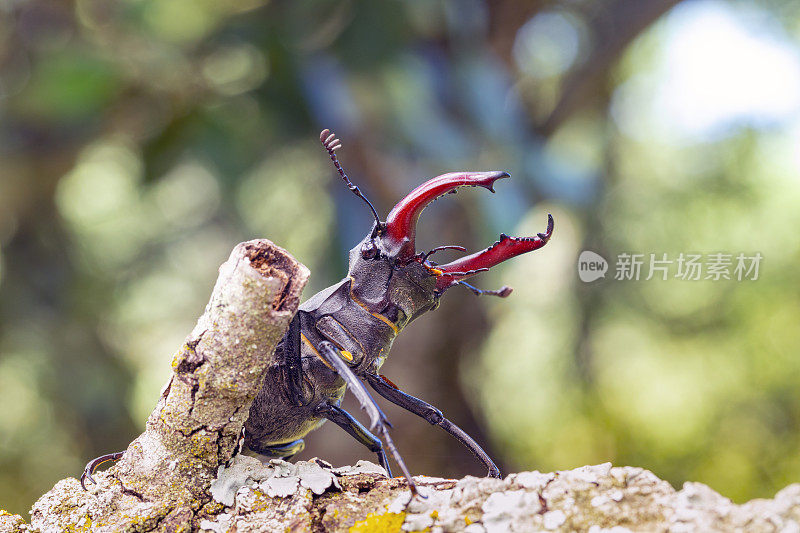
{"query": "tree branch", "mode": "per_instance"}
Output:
(164, 477)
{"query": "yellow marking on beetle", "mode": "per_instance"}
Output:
(313, 349)
(350, 334)
(435, 271)
(347, 355)
(387, 321)
(376, 315)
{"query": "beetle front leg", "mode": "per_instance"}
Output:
(290, 364)
(353, 427)
(388, 390)
(378, 421)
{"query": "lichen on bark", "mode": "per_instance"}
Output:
(593, 499)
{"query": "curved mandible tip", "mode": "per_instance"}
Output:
(506, 248)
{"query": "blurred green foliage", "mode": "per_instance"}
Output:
(140, 140)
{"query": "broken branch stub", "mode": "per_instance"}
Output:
(216, 374)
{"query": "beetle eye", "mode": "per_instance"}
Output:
(369, 250)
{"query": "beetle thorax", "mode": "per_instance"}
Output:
(401, 293)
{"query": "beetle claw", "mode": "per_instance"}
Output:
(87, 477)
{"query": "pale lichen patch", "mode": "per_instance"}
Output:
(229, 480)
(361, 467)
(279, 478)
(553, 519)
(502, 510)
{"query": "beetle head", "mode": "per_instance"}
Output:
(389, 273)
(391, 278)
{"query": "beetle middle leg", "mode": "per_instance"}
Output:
(388, 390)
(345, 420)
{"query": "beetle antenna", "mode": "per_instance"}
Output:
(331, 144)
(502, 292)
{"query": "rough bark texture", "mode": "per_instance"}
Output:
(313, 496)
(173, 478)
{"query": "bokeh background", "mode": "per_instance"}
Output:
(141, 139)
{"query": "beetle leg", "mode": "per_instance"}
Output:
(290, 363)
(92, 465)
(388, 390)
(345, 420)
(330, 354)
(378, 420)
(281, 451)
(238, 448)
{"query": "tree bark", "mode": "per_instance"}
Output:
(162, 481)
(312, 497)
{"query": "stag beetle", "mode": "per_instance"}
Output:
(342, 335)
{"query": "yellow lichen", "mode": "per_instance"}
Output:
(261, 502)
(81, 527)
(379, 523)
